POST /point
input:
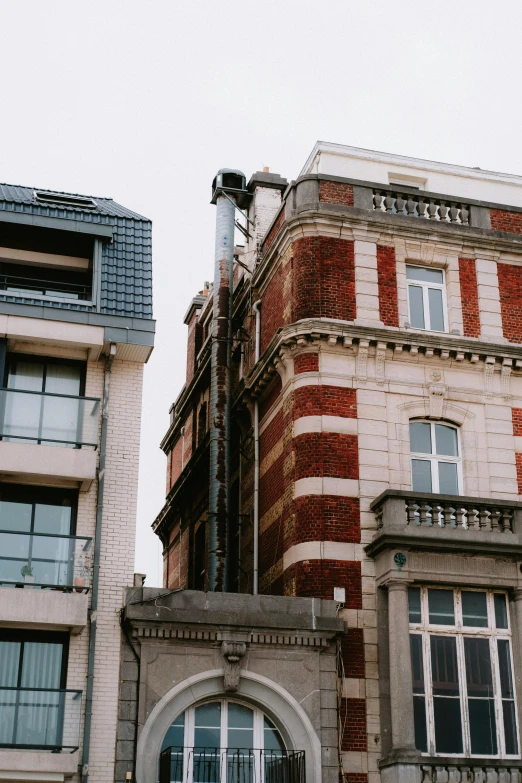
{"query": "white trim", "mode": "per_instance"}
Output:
(339, 424)
(316, 485)
(322, 550)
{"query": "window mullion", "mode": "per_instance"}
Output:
(461, 668)
(428, 687)
(499, 717)
(426, 307)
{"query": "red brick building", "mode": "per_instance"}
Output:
(375, 447)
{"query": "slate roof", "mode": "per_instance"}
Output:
(126, 268)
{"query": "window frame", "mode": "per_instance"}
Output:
(460, 632)
(434, 458)
(425, 286)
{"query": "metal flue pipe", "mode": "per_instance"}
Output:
(220, 393)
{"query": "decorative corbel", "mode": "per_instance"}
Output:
(489, 369)
(505, 376)
(233, 652)
(362, 360)
(437, 393)
(380, 356)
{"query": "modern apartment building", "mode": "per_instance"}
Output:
(76, 329)
(342, 529)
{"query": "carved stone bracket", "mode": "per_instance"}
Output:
(380, 357)
(362, 360)
(505, 376)
(233, 652)
(437, 394)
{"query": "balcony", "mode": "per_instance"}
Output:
(40, 719)
(39, 560)
(423, 205)
(233, 765)
(45, 435)
(446, 523)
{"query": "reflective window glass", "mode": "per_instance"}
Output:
(420, 437)
(414, 604)
(421, 475)
(441, 607)
(448, 478)
(474, 609)
(436, 309)
(446, 440)
(501, 618)
(416, 307)
(425, 274)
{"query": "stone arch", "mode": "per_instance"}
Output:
(254, 689)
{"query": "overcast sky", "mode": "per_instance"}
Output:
(144, 101)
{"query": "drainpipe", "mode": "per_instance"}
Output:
(220, 392)
(96, 566)
(255, 588)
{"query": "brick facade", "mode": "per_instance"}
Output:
(353, 723)
(387, 283)
(326, 401)
(510, 290)
(336, 193)
(324, 279)
(306, 362)
(469, 296)
(502, 220)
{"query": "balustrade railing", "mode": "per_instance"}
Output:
(466, 773)
(399, 202)
(232, 765)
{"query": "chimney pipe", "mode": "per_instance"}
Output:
(229, 187)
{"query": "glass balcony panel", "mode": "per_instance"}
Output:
(39, 718)
(48, 561)
(32, 417)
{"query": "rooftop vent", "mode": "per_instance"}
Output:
(64, 200)
(230, 181)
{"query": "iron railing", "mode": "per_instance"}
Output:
(43, 417)
(40, 718)
(58, 289)
(231, 765)
(45, 560)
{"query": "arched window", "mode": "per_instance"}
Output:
(435, 458)
(224, 741)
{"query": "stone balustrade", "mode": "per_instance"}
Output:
(486, 515)
(498, 772)
(421, 205)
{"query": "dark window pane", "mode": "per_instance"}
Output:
(504, 664)
(474, 609)
(421, 475)
(444, 666)
(436, 311)
(416, 307)
(207, 737)
(510, 727)
(419, 718)
(482, 727)
(446, 440)
(420, 437)
(208, 714)
(448, 479)
(448, 725)
(501, 619)
(478, 667)
(417, 666)
(240, 717)
(414, 604)
(441, 608)
(425, 274)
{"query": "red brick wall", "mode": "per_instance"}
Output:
(175, 462)
(194, 344)
(518, 459)
(506, 221)
(516, 415)
(336, 193)
(269, 397)
(352, 651)
(306, 362)
(317, 579)
(325, 400)
(324, 279)
(275, 228)
(469, 296)
(325, 518)
(354, 777)
(326, 454)
(387, 283)
(510, 289)
(272, 309)
(353, 722)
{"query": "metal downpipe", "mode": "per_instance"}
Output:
(255, 582)
(220, 394)
(96, 567)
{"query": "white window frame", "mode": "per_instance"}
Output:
(434, 458)
(258, 736)
(460, 632)
(425, 286)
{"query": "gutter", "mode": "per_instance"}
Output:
(96, 567)
(255, 587)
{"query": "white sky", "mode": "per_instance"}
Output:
(145, 101)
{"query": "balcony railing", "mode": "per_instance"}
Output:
(57, 289)
(470, 771)
(54, 419)
(400, 202)
(212, 765)
(410, 517)
(45, 560)
(40, 719)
